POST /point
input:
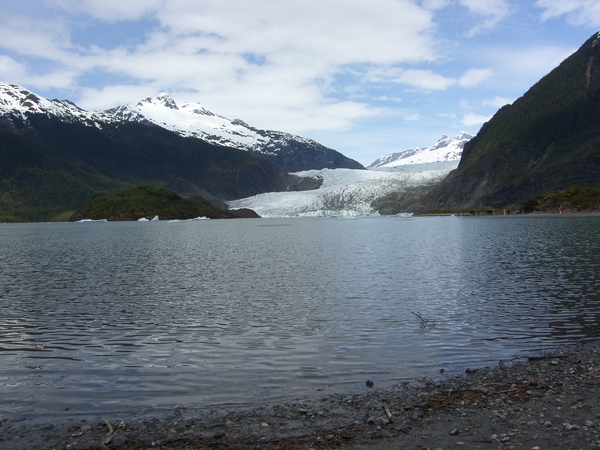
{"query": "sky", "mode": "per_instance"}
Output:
(367, 78)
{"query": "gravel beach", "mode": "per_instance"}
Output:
(544, 401)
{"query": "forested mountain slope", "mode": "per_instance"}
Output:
(49, 167)
(546, 140)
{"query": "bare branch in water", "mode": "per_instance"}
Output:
(424, 322)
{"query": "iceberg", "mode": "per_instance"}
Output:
(91, 220)
(187, 220)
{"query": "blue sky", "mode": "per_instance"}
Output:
(367, 78)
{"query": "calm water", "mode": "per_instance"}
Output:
(109, 318)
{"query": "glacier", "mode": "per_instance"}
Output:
(349, 193)
(345, 193)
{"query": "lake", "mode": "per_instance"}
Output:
(115, 318)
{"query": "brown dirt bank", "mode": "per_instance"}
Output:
(549, 401)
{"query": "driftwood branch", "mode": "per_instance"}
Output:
(386, 408)
(424, 322)
(111, 432)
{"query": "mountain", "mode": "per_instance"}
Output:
(50, 167)
(292, 153)
(56, 156)
(549, 139)
(445, 149)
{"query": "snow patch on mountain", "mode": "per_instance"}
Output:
(344, 192)
(191, 120)
(445, 149)
(194, 120)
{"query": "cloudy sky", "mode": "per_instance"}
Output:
(366, 77)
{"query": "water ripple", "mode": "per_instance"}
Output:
(133, 315)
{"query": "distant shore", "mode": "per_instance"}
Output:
(565, 213)
(545, 401)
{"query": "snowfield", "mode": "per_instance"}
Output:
(344, 192)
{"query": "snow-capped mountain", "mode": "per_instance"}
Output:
(194, 120)
(18, 102)
(291, 152)
(445, 149)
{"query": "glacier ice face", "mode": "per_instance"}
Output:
(344, 192)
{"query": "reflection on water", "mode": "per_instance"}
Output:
(103, 317)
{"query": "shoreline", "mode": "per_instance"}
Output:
(548, 401)
(573, 213)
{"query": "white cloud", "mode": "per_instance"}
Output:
(447, 115)
(578, 12)
(498, 102)
(473, 77)
(340, 31)
(413, 117)
(495, 8)
(464, 103)
(386, 98)
(11, 69)
(424, 79)
(472, 119)
(493, 12)
(36, 37)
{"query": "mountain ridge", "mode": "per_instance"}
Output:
(291, 152)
